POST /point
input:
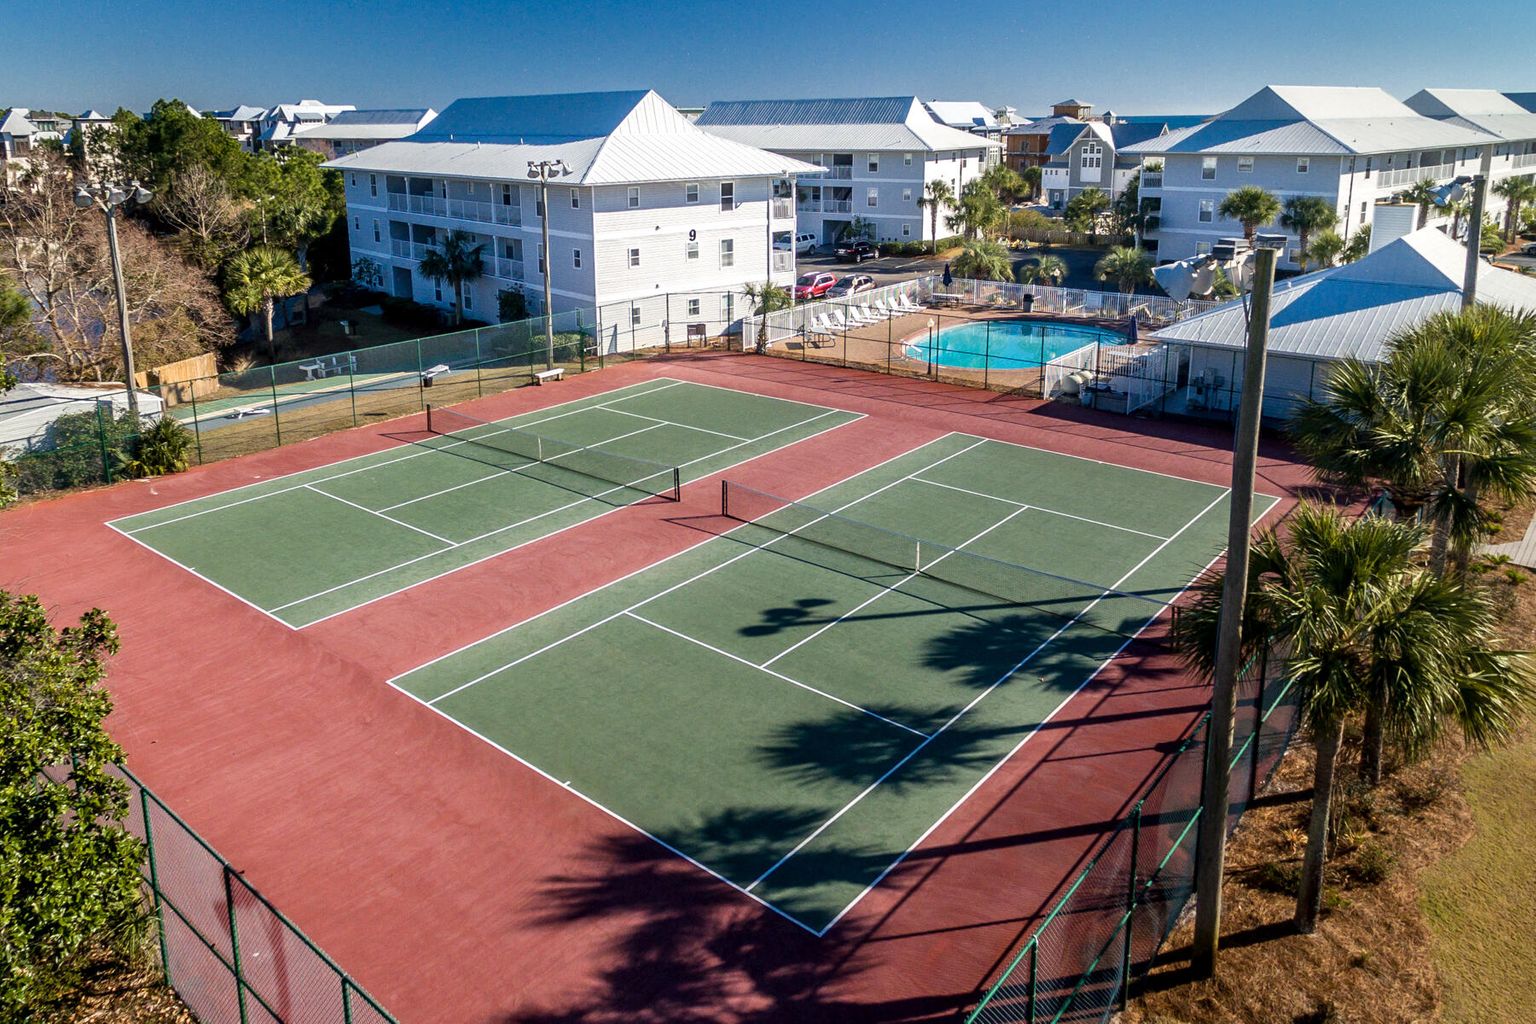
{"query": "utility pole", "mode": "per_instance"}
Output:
(1211, 854)
(1475, 230)
(107, 198)
(543, 170)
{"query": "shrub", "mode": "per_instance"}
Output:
(1372, 864)
(165, 447)
(411, 314)
(1281, 879)
(75, 450)
(511, 305)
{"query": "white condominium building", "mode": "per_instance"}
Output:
(650, 205)
(1353, 147)
(879, 153)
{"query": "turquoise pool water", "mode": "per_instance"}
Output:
(1006, 344)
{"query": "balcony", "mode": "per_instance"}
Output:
(1151, 179)
(809, 206)
(844, 171)
(1523, 160)
(783, 261)
(512, 215)
(470, 209)
(508, 270)
(400, 247)
(837, 205)
(406, 203)
(781, 209)
(1413, 175)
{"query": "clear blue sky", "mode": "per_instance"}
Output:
(1135, 56)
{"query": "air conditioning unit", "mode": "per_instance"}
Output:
(1270, 241)
(1226, 249)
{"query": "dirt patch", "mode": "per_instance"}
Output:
(117, 990)
(1368, 962)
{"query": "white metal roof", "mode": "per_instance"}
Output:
(1354, 310)
(1315, 120)
(16, 123)
(1485, 109)
(604, 138)
(368, 124)
(870, 123)
(966, 115)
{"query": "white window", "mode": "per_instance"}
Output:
(377, 235)
(469, 298)
(357, 225)
(509, 195)
(1202, 248)
(727, 252)
(1208, 168)
(1295, 256)
(872, 197)
(353, 177)
(693, 307)
(1207, 210)
(1362, 213)
(634, 315)
(727, 195)
(634, 197)
(906, 231)
(575, 200)
(634, 257)
(373, 185)
(437, 291)
(576, 258)
(874, 163)
(691, 192)
(1303, 164)
(906, 195)
(691, 250)
(538, 208)
(442, 188)
(541, 257)
(1093, 156)
(728, 307)
(1368, 161)
(906, 159)
(1245, 165)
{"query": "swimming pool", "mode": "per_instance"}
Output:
(1006, 344)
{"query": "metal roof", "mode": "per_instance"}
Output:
(1128, 133)
(244, 112)
(16, 123)
(1485, 109)
(411, 115)
(1313, 120)
(1040, 126)
(966, 115)
(1524, 99)
(610, 138)
(1354, 311)
(878, 123)
(369, 124)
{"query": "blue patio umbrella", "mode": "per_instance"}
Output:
(1131, 334)
(949, 279)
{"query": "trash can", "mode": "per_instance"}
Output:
(1028, 302)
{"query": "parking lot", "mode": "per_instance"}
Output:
(885, 270)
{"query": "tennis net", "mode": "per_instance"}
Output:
(625, 470)
(1091, 604)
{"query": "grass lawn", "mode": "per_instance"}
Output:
(1481, 900)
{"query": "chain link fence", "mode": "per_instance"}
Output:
(1078, 963)
(232, 956)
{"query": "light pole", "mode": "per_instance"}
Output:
(543, 170)
(107, 198)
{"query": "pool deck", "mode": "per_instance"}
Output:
(883, 345)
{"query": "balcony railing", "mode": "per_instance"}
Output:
(1523, 160)
(809, 206)
(783, 260)
(430, 205)
(1152, 179)
(781, 209)
(842, 171)
(508, 270)
(837, 205)
(400, 247)
(512, 215)
(470, 209)
(1414, 175)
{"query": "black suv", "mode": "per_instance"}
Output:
(857, 250)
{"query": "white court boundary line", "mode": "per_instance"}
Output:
(982, 696)
(394, 681)
(1038, 508)
(583, 500)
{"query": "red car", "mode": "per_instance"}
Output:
(813, 286)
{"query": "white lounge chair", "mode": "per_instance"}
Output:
(834, 320)
(888, 308)
(874, 317)
(905, 304)
(856, 318)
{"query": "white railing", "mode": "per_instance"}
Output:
(1151, 179)
(844, 171)
(837, 205)
(430, 205)
(512, 215)
(1414, 175)
(782, 210)
(1523, 160)
(809, 206)
(508, 270)
(783, 260)
(470, 209)
(400, 247)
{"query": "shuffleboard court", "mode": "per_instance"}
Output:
(793, 705)
(310, 545)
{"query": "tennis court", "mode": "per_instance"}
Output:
(310, 545)
(794, 704)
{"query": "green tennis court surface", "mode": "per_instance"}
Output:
(794, 705)
(310, 545)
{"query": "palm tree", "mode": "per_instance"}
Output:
(984, 261)
(765, 298)
(1444, 421)
(1084, 210)
(1126, 266)
(1250, 206)
(1359, 617)
(1422, 195)
(1325, 248)
(937, 195)
(978, 212)
(257, 278)
(1030, 176)
(1306, 214)
(1005, 183)
(1516, 192)
(458, 260)
(1357, 245)
(1049, 269)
